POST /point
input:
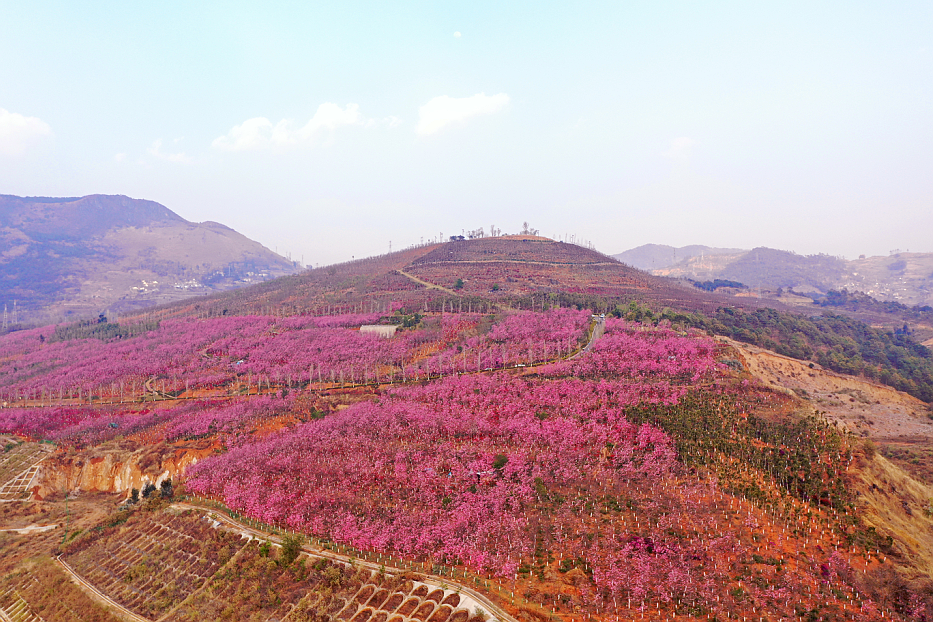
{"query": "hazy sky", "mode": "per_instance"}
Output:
(329, 130)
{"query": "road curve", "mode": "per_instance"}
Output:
(429, 579)
(598, 329)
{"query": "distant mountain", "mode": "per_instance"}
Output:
(74, 257)
(773, 269)
(902, 277)
(657, 256)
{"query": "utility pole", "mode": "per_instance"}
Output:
(758, 260)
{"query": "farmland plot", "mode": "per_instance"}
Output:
(45, 593)
(19, 463)
(259, 584)
(154, 561)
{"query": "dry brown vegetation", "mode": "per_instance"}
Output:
(149, 561)
(42, 591)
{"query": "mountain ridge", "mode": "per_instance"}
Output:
(72, 257)
(657, 256)
(899, 277)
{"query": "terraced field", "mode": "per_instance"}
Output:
(155, 560)
(19, 463)
(13, 606)
(257, 585)
(384, 599)
(169, 564)
(45, 593)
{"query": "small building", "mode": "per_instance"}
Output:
(381, 330)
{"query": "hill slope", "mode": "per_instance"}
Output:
(651, 474)
(532, 273)
(74, 257)
(564, 466)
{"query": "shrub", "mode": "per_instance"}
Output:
(291, 548)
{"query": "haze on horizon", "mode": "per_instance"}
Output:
(328, 131)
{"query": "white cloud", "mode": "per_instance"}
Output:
(18, 132)
(260, 133)
(330, 117)
(156, 151)
(120, 157)
(680, 148)
(444, 110)
(253, 133)
(457, 34)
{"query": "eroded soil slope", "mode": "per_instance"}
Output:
(867, 409)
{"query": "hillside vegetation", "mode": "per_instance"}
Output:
(562, 465)
(834, 341)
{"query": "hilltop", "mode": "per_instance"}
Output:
(80, 256)
(522, 272)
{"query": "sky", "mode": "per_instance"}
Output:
(337, 130)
